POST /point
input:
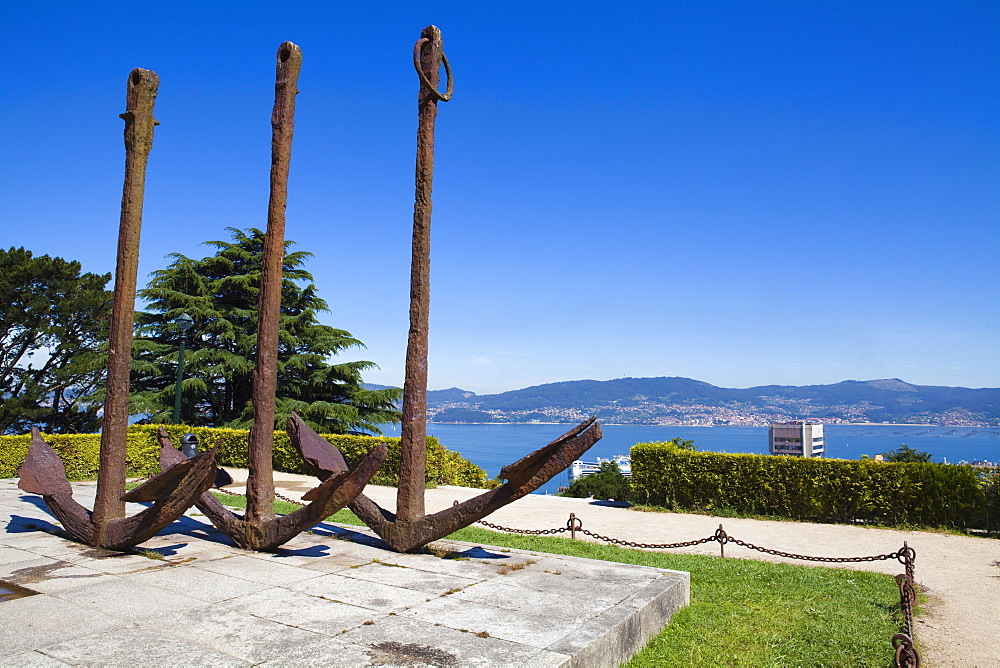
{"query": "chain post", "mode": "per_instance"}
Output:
(720, 535)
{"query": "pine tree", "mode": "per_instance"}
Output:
(220, 293)
(53, 320)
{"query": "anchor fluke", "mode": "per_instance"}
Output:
(42, 472)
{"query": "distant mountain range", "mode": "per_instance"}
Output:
(683, 401)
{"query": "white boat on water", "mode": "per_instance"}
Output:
(580, 468)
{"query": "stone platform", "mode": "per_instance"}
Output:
(336, 596)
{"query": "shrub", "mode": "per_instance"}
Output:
(80, 454)
(606, 483)
(825, 490)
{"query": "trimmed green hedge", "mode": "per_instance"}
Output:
(81, 454)
(823, 490)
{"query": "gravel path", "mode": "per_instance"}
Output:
(960, 574)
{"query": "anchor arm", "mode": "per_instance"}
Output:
(334, 493)
(523, 477)
(42, 472)
(407, 537)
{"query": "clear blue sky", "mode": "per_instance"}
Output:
(744, 193)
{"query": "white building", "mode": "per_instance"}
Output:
(799, 439)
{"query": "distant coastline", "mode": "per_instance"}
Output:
(684, 402)
(725, 426)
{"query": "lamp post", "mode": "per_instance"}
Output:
(183, 322)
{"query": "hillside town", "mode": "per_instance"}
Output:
(692, 414)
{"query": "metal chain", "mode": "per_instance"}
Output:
(719, 536)
(530, 532)
(276, 494)
(648, 546)
(906, 655)
(806, 557)
(289, 500)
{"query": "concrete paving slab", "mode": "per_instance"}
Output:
(134, 646)
(409, 578)
(248, 567)
(116, 563)
(371, 595)
(554, 604)
(303, 611)
(29, 660)
(534, 630)
(39, 543)
(335, 596)
(326, 652)
(30, 561)
(232, 632)
(600, 571)
(584, 588)
(55, 577)
(10, 555)
(129, 599)
(198, 583)
(412, 642)
(35, 622)
(335, 563)
(453, 563)
(180, 549)
(602, 639)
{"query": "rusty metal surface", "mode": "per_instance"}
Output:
(259, 528)
(413, 457)
(139, 123)
(260, 486)
(410, 528)
(160, 486)
(335, 492)
(42, 472)
(322, 460)
(173, 491)
(408, 535)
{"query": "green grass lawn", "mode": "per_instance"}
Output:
(742, 612)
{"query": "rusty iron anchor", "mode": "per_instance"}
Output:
(410, 528)
(176, 488)
(259, 528)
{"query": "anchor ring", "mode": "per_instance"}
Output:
(444, 97)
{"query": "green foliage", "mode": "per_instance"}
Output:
(905, 453)
(606, 483)
(220, 293)
(677, 444)
(52, 321)
(990, 480)
(81, 454)
(824, 490)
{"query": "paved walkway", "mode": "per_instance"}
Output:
(334, 597)
(960, 574)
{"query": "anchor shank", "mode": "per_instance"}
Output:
(260, 484)
(413, 444)
(139, 123)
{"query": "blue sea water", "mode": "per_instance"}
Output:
(492, 446)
